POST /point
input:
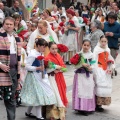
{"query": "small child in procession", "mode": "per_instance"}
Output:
(35, 91)
(22, 72)
(57, 82)
(83, 97)
(103, 70)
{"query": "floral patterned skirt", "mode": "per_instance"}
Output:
(33, 94)
(103, 100)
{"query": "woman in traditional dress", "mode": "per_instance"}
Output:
(20, 27)
(55, 11)
(84, 99)
(57, 82)
(100, 16)
(70, 38)
(103, 71)
(36, 92)
(43, 31)
(48, 17)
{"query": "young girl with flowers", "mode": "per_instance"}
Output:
(83, 98)
(104, 67)
(55, 72)
(36, 92)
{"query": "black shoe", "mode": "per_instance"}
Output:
(30, 115)
(99, 109)
(115, 72)
(85, 113)
(40, 118)
(68, 63)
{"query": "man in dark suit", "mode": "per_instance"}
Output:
(16, 8)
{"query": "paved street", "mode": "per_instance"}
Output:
(112, 112)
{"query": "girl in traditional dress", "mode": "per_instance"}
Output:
(57, 82)
(85, 12)
(104, 67)
(70, 38)
(36, 92)
(83, 84)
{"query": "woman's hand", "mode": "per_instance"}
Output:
(68, 27)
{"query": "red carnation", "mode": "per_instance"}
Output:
(110, 61)
(62, 48)
(34, 11)
(46, 63)
(71, 22)
(75, 59)
(40, 58)
(61, 24)
(85, 20)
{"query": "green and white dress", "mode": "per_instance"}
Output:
(36, 91)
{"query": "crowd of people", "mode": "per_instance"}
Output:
(31, 65)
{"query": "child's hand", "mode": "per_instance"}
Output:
(41, 68)
(85, 65)
(56, 71)
(109, 71)
(89, 68)
(58, 67)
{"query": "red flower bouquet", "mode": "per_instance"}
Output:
(34, 11)
(61, 24)
(62, 48)
(75, 59)
(40, 57)
(71, 22)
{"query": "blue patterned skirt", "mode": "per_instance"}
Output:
(33, 94)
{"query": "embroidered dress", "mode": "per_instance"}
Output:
(103, 81)
(36, 91)
(83, 97)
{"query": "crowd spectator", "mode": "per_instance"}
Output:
(112, 32)
(5, 9)
(60, 3)
(16, 8)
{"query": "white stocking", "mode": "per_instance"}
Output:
(29, 109)
(38, 111)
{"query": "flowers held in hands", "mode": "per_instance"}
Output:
(75, 59)
(40, 57)
(52, 65)
(71, 22)
(110, 63)
(79, 60)
(62, 48)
